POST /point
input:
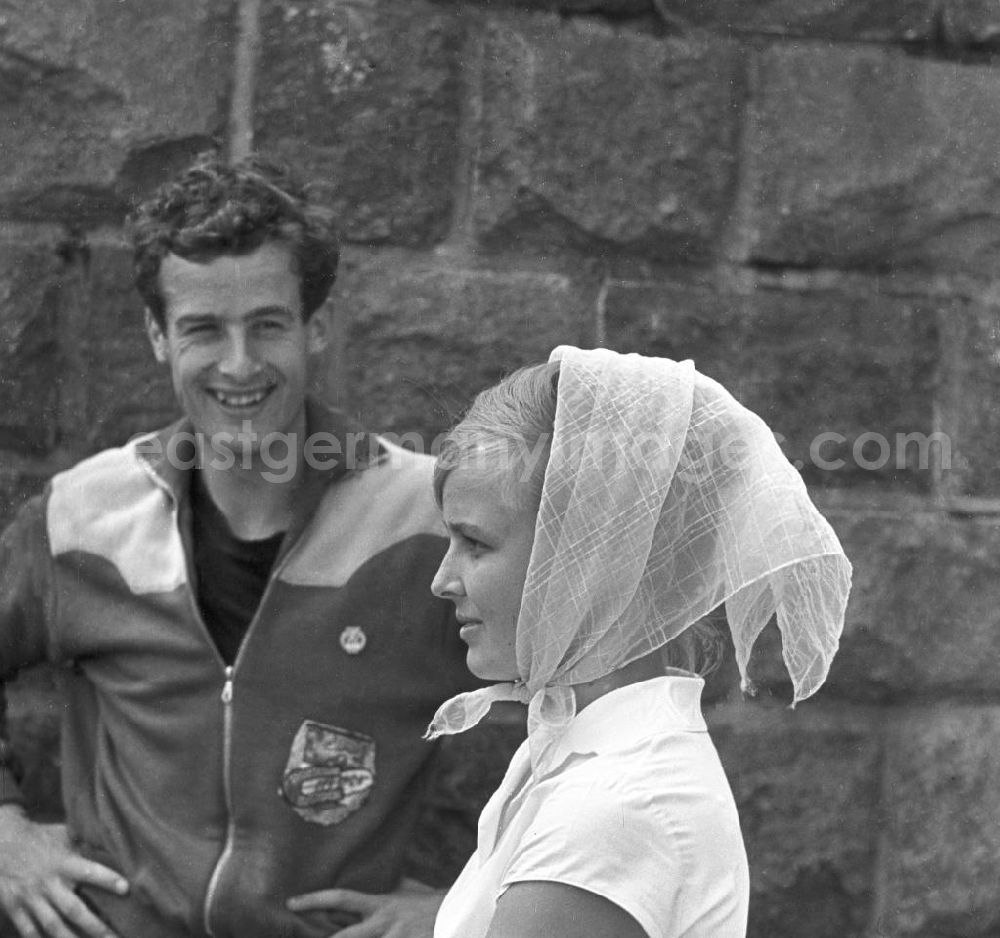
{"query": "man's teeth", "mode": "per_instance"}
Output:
(246, 399)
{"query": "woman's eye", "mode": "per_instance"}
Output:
(475, 546)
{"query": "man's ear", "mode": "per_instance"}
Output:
(319, 329)
(157, 338)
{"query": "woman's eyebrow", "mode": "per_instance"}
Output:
(467, 529)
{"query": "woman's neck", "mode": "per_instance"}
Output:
(642, 669)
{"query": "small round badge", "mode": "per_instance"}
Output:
(353, 640)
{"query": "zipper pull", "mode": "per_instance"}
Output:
(227, 688)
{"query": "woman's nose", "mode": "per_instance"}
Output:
(446, 582)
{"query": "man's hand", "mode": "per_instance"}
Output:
(409, 912)
(39, 873)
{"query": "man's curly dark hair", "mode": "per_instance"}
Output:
(214, 209)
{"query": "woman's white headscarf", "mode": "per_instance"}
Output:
(663, 497)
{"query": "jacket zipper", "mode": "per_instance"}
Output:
(227, 715)
(227, 744)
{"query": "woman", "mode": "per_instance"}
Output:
(597, 508)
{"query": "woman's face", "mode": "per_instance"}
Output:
(483, 572)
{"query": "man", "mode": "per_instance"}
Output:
(242, 603)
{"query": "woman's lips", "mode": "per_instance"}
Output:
(469, 627)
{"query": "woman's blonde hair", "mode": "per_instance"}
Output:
(507, 429)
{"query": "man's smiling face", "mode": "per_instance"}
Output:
(236, 342)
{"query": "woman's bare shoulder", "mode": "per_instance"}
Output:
(556, 910)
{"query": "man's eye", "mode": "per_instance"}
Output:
(200, 329)
(271, 325)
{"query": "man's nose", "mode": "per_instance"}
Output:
(239, 358)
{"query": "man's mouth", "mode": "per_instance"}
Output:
(239, 399)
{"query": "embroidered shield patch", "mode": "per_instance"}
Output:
(329, 774)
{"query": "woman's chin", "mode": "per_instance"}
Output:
(488, 670)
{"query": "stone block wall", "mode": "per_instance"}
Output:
(801, 195)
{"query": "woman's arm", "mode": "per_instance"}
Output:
(555, 910)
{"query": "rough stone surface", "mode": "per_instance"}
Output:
(941, 834)
(365, 97)
(424, 338)
(606, 7)
(30, 354)
(810, 362)
(970, 391)
(863, 159)
(127, 391)
(79, 100)
(887, 20)
(974, 23)
(923, 616)
(597, 137)
(76, 371)
(806, 785)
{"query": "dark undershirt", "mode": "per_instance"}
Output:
(231, 573)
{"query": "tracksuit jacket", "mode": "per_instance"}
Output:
(219, 792)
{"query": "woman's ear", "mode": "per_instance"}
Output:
(554, 377)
